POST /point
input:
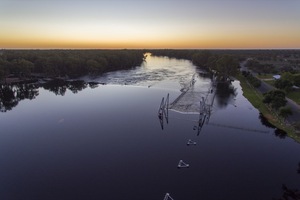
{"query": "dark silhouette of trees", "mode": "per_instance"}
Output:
(94, 67)
(275, 98)
(27, 91)
(284, 84)
(174, 53)
(288, 193)
(255, 82)
(57, 86)
(22, 67)
(226, 66)
(287, 81)
(4, 68)
(93, 85)
(72, 63)
(11, 95)
(256, 66)
(224, 93)
(201, 58)
(297, 80)
(265, 121)
(280, 133)
(8, 99)
(76, 86)
(285, 112)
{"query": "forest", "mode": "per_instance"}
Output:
(66, 63)
(75, 63)
(222, 63)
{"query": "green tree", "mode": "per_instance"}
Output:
(275, 98)
(54, 65)
(212, 61)
(104, 64)
(284, 84)
(287, 76)
(226, 66)
(96, 66)
(22, 67)
(285, 112)
(297, 80)
(3, 69)
(92, 66)
(201, 59)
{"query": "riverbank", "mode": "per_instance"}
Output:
(255, 98)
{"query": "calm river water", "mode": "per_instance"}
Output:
(106, 142)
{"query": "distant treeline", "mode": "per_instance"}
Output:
(75, 63)
(222, 63)
(264, 54)
(262, 61)
(72, 63)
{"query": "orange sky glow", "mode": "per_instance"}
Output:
(149, 24)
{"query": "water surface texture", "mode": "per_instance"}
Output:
(107, 143)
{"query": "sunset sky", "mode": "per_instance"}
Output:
(203, 24)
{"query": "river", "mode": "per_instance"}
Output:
(105, 141)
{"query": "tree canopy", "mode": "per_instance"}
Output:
(226, 66)
(71, 63)
(275, 98)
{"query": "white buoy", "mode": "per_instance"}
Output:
(168, 197)
(190, 142)
(182, 164)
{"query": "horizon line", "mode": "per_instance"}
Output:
(1, 49)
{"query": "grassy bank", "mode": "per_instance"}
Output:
(294, 94)
(255, 98)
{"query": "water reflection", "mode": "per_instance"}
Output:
(225, 94)
(76, 86)
(108, 139)
(93, 85)
(155, 71)
(265, 122)
(278, 132)
(58, 86)
(11, 95)
(289, 193)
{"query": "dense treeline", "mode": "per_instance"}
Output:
(255, 82)
(72, 63)
(174, 53)
(242, 54)
(261, 68)
(260, 61)
(225, 65)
